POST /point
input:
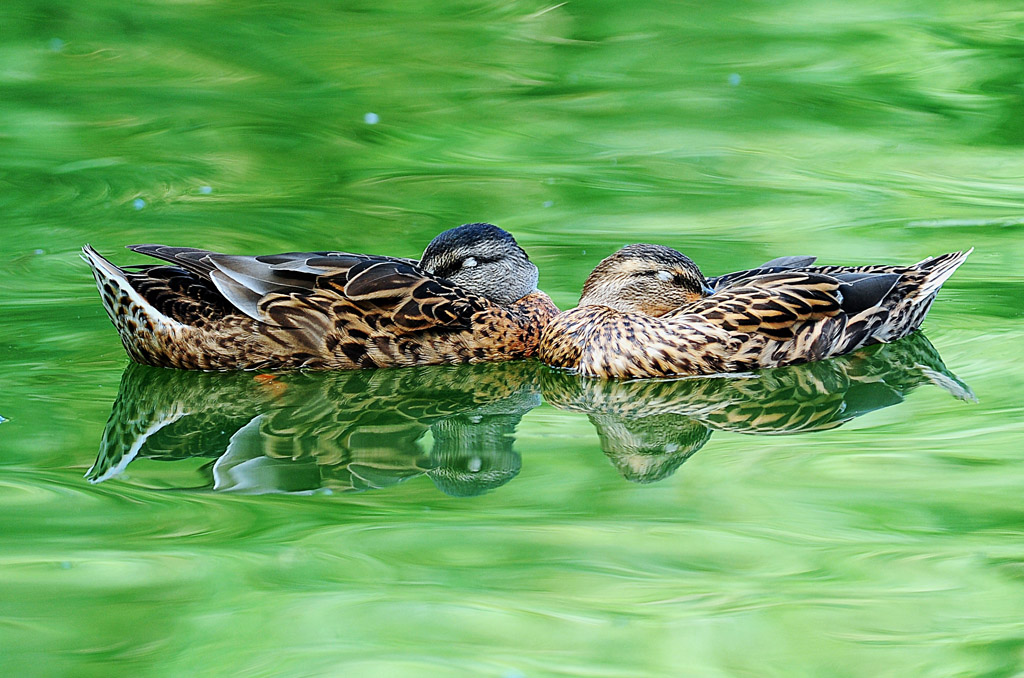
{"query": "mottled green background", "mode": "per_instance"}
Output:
(735, 131)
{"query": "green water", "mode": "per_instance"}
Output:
(504, 520)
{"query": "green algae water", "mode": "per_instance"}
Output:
(859, 517)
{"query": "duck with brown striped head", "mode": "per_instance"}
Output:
(650, 279)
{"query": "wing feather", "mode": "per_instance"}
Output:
(777, 265)
(260, 277)
(381, 280)
(241, 297)
(191, 259)
(775, 305)
(793, 261)
(394, 289)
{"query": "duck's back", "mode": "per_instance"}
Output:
(907, 303)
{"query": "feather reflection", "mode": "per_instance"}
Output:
(648, 428)
(343, 431)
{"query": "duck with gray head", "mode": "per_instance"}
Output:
(648, 311)
(473, 297)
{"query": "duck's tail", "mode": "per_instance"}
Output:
(937, 270)
(141, 325)
(921, 282)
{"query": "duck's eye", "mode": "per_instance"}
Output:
(469, 262)
(665, 276)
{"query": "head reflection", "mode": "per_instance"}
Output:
(343, 432)
(649, 427)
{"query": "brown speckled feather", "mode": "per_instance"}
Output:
(313, 310)
(906, 305)
(773, 316)
(758, 324)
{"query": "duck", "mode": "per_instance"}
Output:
(472, 297)
(648, 311)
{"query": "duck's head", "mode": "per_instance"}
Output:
(484, 260)
(650, 279)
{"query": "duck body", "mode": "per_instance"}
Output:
(328, 310)
(648, 312)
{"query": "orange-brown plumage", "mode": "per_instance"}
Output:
(328, 310)
(638, 317)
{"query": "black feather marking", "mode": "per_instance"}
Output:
(381, 280)
(865, 291)
(354, 351)
(780, 333)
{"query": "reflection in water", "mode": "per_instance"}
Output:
(344, 431)
(648, 428)
(350, 431)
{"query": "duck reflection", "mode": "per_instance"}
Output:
(343, 431)
(648, 428)
(362, 430)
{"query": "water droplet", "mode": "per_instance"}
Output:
(549, 203)
(56, 45)
(734, 79)
(206, 190)
(38, 251)
(65, 565)
(371, 118)
(475, 464)
(138, 203)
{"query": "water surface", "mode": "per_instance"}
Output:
(865, 519)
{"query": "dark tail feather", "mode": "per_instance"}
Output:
(191, 259)
(937, 270)
(793, 261)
